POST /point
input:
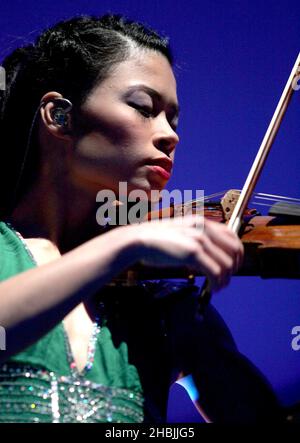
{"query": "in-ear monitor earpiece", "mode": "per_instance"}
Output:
(59, 113)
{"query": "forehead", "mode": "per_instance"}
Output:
(144, 67)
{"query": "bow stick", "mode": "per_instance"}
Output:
(236, 218)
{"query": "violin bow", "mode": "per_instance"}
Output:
(236, 218)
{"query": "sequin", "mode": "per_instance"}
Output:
(59, 399)
(35, 395)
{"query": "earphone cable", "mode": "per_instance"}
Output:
(25, 155)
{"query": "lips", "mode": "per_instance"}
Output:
(162, 166)
(161, 171)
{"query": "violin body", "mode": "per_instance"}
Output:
(272, 247)
(271, 244)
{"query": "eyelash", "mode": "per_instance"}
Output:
(145, 115)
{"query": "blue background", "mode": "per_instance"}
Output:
(234, 59)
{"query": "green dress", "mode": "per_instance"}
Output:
(42, 384)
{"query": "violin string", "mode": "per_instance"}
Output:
(205, 198)
(268, 205)
(282, 197)
(256, 196)
(271, 204)
(262, 195)
(275, 197)
(266, 198)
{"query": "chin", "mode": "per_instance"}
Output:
(149, 189)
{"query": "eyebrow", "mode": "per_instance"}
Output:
(153, 93)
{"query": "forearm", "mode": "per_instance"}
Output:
(34, 301)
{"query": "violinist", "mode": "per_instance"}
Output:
(90, 104)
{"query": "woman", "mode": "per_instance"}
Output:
(91, 104)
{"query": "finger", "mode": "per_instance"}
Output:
(226, 261)
(209, 267)
(227, 241)
(191, 220)
(220, 228)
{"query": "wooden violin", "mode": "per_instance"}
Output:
(271, 242)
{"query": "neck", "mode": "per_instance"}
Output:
(55, 215)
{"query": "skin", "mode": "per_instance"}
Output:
(127, 129)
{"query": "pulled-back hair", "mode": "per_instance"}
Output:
(71, 58)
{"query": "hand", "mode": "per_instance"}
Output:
(213, 250)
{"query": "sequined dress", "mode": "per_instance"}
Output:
(42, 384)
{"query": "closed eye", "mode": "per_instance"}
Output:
(144, 111)
(147, 112)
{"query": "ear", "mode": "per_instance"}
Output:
(46, 113)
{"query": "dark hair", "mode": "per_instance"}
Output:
(71, 58)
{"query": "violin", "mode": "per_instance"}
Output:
(271, 242)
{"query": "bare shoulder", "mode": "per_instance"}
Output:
(43, 250)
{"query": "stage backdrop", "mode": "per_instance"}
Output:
(233, 59)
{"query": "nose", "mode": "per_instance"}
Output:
(165, 138)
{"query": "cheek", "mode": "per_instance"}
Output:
(96, 150)
(120, 137)
(97, 156)
(117, 126)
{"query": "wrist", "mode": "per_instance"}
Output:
(123, 248)
(132, 244)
